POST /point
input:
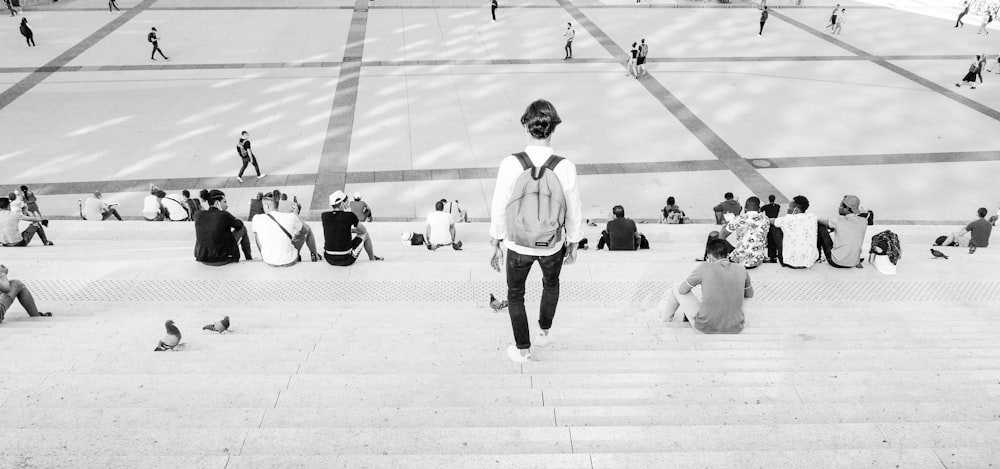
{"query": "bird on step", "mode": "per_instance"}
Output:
(169, 341)
(218, 326)
(938, 254)
(496, 304)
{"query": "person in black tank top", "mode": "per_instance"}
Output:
(343, 234)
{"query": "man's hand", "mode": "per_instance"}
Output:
(570, 253)
(3, 269)
(497, 260)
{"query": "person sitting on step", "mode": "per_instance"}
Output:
(280, 236)
(96, 209)
(621, 233)
(9, 226)
(440, 230)
(11, 289)
(219, 236)
(343, 234)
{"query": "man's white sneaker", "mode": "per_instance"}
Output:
(239, 179)
(514, 354)
(544, 340)
(260, 176)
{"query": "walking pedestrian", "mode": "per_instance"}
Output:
(247, 155)
(493, 9)
(630, 65)
(10, 7)
(569, 35)
(154, 39)
(970, 77)
(112, 4)
(641, 61)
(30, 202)
(980, 65)
(841, 18)
(545, 224)
(998, 65)
(29, 35)
(965, 11)
(833, 17)
(987, 19)
(763, 19)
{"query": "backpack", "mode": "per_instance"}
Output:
(150, 37)
(886, 243)
(536, 209)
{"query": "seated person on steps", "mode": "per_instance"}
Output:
(280, 236)
(95, 209)
(440, 229)
(152, 205)
(176, 206)
(672, 213)
(219, 236)
(730, 205)
(792, 238)
(749, 229)
(621, 233)
(11, 289)
(843, 249)
(976, 233)
(343, 234)
(724, 285)
(9, 234)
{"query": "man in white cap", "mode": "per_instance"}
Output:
(843, 249)
(344, 235)
(361, 208)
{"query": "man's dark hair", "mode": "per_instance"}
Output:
(160, 193)
(728, 196)
(244, 133)
(716, 248)
(540, 119)
(801, 202)
(670, 200)
(770, 198)
(212, 196)
(439, 205)
(753, 203)
(982, 212)
(4, 203)
(185, 193)
(619, 211)
(24, 188)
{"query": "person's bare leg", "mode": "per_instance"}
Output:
(369, 249)
(20, 291)
(310, 239)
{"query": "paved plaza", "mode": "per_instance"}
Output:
(402, 363)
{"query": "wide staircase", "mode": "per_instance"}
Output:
(401, 363)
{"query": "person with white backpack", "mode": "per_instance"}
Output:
(536, 214)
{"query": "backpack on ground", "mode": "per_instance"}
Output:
(886, 243)
(536, 209)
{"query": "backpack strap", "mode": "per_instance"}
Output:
(522, 157)
(549, 164)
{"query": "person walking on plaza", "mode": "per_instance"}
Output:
(493, 9)
(640, 62)
(965, 11)
(833, 17)
(30, 202)
(10, 7)
(841, 18)
(112, 4)
(154, 39)
(763, 19)
(569, 35)
(247, 155)
(987, 19)
(630, 65)
(29, 35)
(970, 77)
(536, 214)
(980, 65)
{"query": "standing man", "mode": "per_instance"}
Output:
(569, 35)
(10, 7)
(537, 220)
(247, 155)
(763, 19)
(154, 39)
(640, 63)
(965, 11)
(112, 4)
(493, 9)
(833, 17)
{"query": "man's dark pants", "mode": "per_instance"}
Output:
(518, 266)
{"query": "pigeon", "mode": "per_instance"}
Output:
(937, 254)
(496, 304)
(169, 341)
(218, 326)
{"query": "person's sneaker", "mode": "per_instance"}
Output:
(515, 355)
(50, 243)
(239, 179)
(260, 176)
(544, 340)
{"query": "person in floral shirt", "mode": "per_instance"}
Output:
(749, 231)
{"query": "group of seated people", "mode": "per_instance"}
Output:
(280, 236)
